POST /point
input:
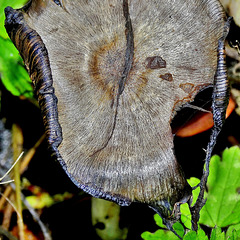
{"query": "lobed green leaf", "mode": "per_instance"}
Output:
(223, 200)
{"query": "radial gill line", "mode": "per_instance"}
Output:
(130, 48)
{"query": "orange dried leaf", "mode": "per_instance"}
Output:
(28, 235)
(202, 122)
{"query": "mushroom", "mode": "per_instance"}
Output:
(109, 77)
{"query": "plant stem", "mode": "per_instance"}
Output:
(8, 210)
(17, 149)
(30, 153)
(23, 165)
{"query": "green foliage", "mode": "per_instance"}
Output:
(223, 205)
(12, 72)
(233, 231)
(13, 75)
(222, 208)
(199, 235)
(217, 234)
(184, 208)
(3, 4)
(164, 233)
(44, 199)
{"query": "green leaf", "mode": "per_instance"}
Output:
(168, 235)
(41, 201)
(12, 72)
(184, 208)
(158, 235)
(158, 221)
(186, 215)
(233, 235)
(200, 235)
(13, 75)
(190, 236)
(164, 233)
(193, 182)
(3, 5)
(233, 232)
(223, 201)
(178, 227)
(217, 234)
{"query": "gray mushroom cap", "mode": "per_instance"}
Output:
(110, 76)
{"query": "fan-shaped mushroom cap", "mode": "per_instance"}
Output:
(119, 70)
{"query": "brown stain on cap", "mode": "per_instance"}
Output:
(167, 77)
(155, 62)
(105, 67)
(187, 87)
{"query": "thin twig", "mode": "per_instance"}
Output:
(5, 195)
(8, 210)
(197, 108)
(24, 163)
(30, 153)
(7, 234)
(36, 217)
(10, 201)
(17, 149)
(10, 169)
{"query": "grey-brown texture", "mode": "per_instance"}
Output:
(119, 75)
